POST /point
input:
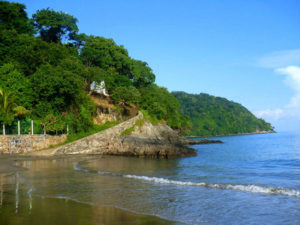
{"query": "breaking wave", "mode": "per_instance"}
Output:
(238, 187)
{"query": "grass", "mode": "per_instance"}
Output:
(140, 122)
(77, 136)
(128, 131)
(95, 129)
(151, 119)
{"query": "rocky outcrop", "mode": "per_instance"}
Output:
(107, 111)
(204, 141)
(158, 141)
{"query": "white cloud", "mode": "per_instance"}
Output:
(280, 59)
(292, 79)
(269, 114)
(292, 109)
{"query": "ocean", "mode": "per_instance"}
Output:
(250, 179)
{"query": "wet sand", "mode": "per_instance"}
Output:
(19, 206)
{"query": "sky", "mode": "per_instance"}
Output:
(245, 51)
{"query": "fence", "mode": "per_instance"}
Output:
(31, 127)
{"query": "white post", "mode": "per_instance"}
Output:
(3, 129)
(31, 127)
(19, 127)
(44, 130)
(67, 128)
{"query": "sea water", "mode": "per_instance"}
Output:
(250, 179)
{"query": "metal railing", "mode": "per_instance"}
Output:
(30, 127)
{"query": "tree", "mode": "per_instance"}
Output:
(14, 17)
(54, 26)
(161, 104)
(141, 73)
(7, 106)
(106, 54)
(126, 95)
(28, 53)
(53, 123)
(14, 81)
(56, 89)
(212, 115)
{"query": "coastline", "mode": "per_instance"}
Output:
(228, 135)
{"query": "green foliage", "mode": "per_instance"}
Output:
(7, 106)
(140, 122)
(20, 112)
(127, 131)
(55, 88)
(161, 104)
(80, 119)
(28, 53)
(95, 129)
(151, 118)
(50, 75)
(217, 116)
(141, 73)
(53, 124)
(126, 95)
(106, 54)
(14, 81)
(14, 16)
(53, 26)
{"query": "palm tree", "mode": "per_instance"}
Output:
(7, 106)
(20, 112)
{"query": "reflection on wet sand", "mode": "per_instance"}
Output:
(33, 197)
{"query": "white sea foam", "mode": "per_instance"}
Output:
(237, 187)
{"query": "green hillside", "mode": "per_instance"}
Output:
(210, 115)
(47, 67)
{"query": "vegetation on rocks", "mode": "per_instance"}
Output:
(212, 115)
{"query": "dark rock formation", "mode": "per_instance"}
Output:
(204, 141)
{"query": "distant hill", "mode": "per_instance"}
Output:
(212, 115)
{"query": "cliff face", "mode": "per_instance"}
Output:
(158, 141)
(107, 111)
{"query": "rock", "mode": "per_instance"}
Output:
(204, 141)
(158, 141)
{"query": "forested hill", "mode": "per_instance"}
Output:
(47, 67)
(212, 115)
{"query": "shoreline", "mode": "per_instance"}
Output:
(228, 135)
(86, 211)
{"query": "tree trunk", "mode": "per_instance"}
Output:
(3, 129)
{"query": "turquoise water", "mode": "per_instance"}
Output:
(251, 179)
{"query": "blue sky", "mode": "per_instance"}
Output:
(246, 51)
